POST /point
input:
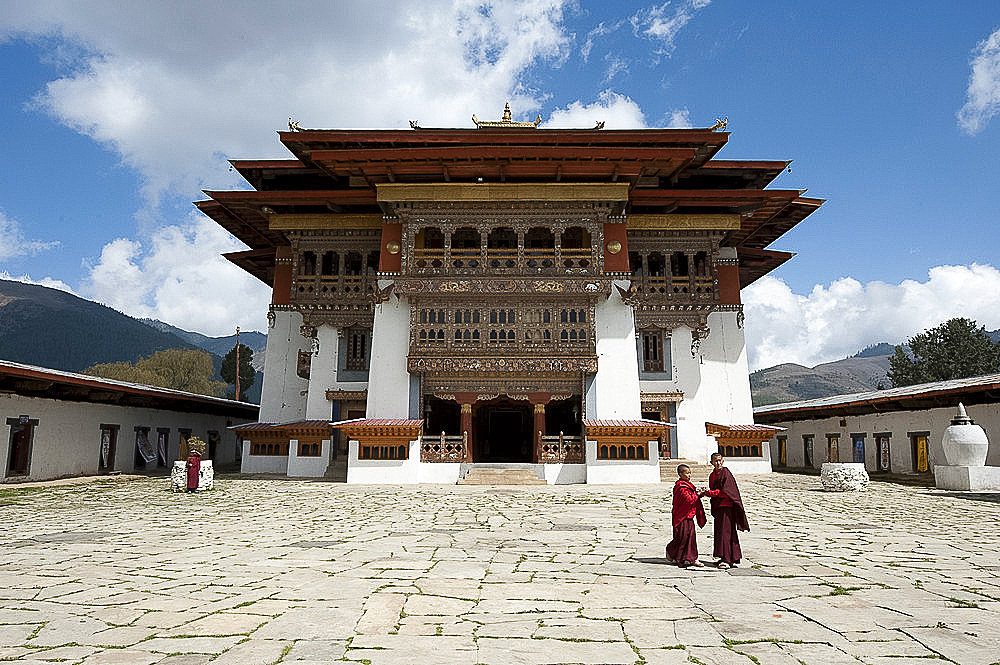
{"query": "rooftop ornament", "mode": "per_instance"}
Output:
(506, 122)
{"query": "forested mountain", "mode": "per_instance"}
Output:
(219, 346)
(54, 329)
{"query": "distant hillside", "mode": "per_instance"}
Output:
(54, 329)
(220, 346)
(865, 370)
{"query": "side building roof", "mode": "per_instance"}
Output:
(33, 381)
(973, 390)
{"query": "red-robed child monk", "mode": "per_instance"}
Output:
(686, 509)
(727, 510)
(193, 470)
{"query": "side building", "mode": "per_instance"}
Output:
(505, 295)
(895, 431)
(61, 424)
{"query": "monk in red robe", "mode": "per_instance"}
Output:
(193, 470)
(727, 510)
(687, 508)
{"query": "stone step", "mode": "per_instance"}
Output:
(499, 476)
(337, 471)
(699, 472)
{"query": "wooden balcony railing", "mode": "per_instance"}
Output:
(561, 449)
(444, 448)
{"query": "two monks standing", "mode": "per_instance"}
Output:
(727, 511)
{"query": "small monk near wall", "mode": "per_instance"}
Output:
(727, 510)
(687, 508)
(195, 448)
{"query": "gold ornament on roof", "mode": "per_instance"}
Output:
(506, 120)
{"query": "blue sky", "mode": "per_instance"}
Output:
(113, 117)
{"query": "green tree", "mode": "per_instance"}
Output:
(956, 349)
(228, 370)
(189, 370)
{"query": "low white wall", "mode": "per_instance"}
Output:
(752, 465)
(565, 474)
(441, 473)
(67, 439)
(262, 463)
(622, 472)
(383, 472)
(308, 467)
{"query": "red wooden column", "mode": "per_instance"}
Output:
(466, 428)
(538, 423)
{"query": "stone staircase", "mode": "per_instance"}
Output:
(499, 474)
(337, 470)
(699, 472)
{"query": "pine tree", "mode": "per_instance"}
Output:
(956, 349)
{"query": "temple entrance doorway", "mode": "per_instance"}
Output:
(441, 415)
(503, 431)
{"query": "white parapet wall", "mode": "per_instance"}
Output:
(622, 472)
(311, 466)
(383, 471)
(262, 463)
(565, 474)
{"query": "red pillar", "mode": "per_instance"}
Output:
(538, 429)
(466, 427)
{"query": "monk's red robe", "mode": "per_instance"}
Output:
(686, 509)
(193, 471)
(727, 510)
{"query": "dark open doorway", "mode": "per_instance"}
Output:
(503, 431)
(441, 415)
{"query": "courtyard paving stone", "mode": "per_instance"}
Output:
(267, 571)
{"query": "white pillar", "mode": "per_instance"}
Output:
(388, 379)
(322, 373)
(281, 393)
(616, 385)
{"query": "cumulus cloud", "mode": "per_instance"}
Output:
(45, 281)
(180, 277)
(14, 244)
(173, 95)
(664, 22)
(983, 94)
(615, 110)
(835, 321)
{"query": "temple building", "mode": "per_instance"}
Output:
(557, 299)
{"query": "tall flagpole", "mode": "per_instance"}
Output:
(237, 363)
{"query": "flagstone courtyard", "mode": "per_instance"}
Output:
(277, 571)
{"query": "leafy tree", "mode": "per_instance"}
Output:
(228, 370)
(956, 349)
(180, 369)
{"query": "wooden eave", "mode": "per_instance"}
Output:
(248, 223)
(771, 221)
(257, 262)
(738, 434)
(755, 263)
(400, 430)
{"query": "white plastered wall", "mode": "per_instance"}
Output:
(388, 379)
(898, 423)
(616, 385)
(283, 391)
(322, 373)
(66, 441)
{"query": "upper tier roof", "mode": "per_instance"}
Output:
(668, 170)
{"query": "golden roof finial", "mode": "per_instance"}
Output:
(506, 120)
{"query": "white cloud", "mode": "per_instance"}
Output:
(45, 281)
(839, 320)
(983, 95)
(679, 119)
(13, 244)
(174, 95)
(664, 22)
(180, 278)
(615, 110)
